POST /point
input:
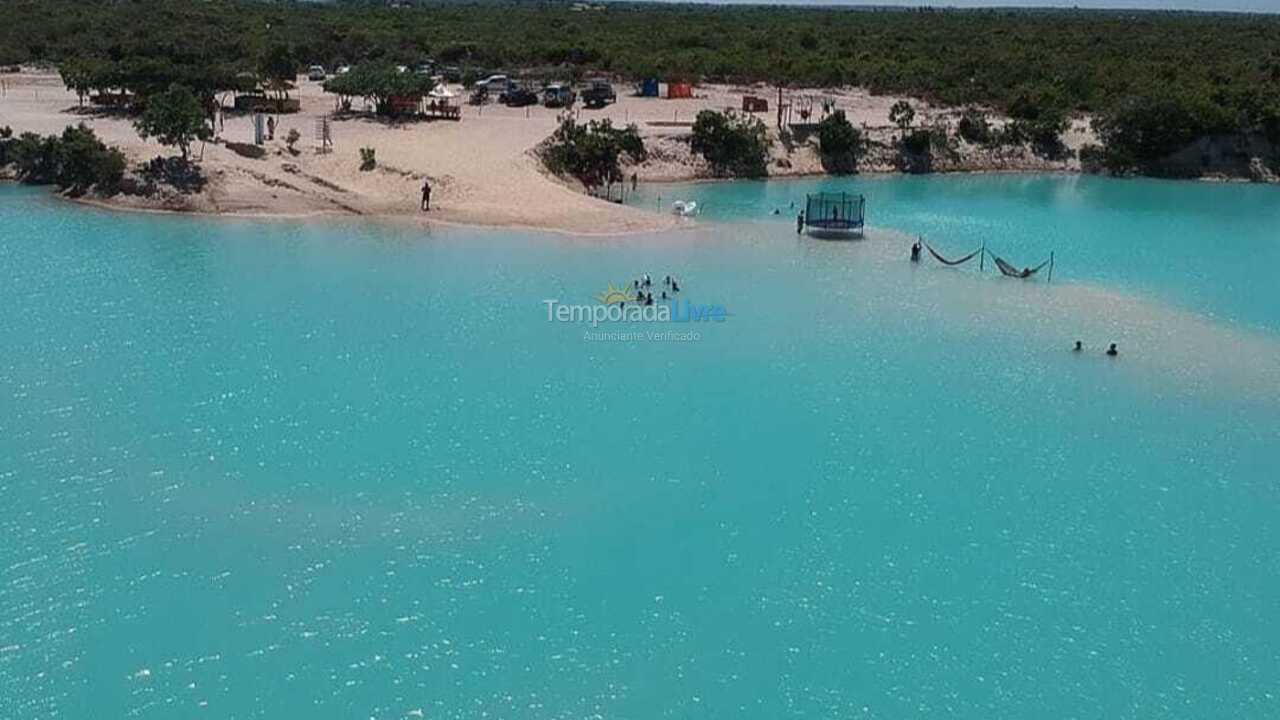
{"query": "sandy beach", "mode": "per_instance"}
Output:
(483, 168)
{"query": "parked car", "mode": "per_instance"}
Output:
(342, 70)
(495, 84)
(316, 73)
(517, 96)
(558, 95)
(598, 94)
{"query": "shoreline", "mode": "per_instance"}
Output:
(110, 204)
(484, 169)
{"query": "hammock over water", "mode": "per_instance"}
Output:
(945, 261)
(1011, 271)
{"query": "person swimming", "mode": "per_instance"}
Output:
(664, 294)
(1079, 347)
(1112, 351)
(675, 286)
(800, 222)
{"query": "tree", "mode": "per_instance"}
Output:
(278, 70)
(84, 161)
(974, 127)
(174, 117)
(35, 158)
(733, 144)
(77, 75)
(839, 142)
(1139, 132)
(902, 114)
(75, 161)
(377, 83)
(592, 152)
(6, 144)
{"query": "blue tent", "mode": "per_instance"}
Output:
(649, 87)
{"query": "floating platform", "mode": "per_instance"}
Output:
(834, 216)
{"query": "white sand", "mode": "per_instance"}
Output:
(482, 168)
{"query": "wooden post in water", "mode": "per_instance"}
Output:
(1050, 266)
(982, 258)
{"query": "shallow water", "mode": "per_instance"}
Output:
(1212, 248)
(334, 470)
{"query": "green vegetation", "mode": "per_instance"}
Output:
(592, 151)
(377, 83)
(974, 127)
(6, 142)
(174, 117)
(840, 143)
(277, 71)
(75, 161)
(735, 144)
(1212, 73)
(902, 115)
(1142, 130)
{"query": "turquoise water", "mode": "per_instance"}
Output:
(1214, 248)
(341, 470)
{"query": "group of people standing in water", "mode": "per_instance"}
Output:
(644, 294)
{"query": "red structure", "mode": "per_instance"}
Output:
(679, 90)
(404, 104)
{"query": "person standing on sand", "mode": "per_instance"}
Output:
(426, 195)
(271, 127)
(635, 178)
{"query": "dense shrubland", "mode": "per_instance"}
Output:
(733, 144)
(839, 143)
(75, 161)
(1153, 80)
(593, 151)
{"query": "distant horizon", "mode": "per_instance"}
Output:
(1209, 6)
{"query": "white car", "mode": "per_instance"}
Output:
(315, 72)
(342, 70)
(495, 83)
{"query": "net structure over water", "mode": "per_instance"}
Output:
(834, 211)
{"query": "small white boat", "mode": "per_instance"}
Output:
(684, 209)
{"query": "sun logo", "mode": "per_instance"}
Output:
(613, 296)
